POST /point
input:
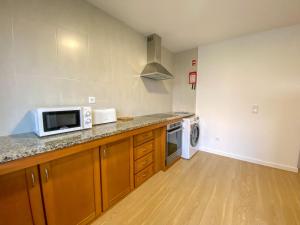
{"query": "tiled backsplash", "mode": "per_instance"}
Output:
(59, 52)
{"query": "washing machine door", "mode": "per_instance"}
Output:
(195, 134)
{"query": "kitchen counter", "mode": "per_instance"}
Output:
(24, 145)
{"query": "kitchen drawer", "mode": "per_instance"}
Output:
(142, 176)
(142, 138)
(143, 150)
(143, 162)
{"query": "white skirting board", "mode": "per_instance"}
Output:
(249, 159)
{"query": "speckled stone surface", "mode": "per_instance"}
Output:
(24, 145)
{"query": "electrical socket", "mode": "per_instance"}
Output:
(255, 109)
(92, 100)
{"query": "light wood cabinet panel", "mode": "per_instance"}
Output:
(20, 198)
(142, 138)
(143, 162)
(116, 171)
(71, 188)
(74, 185)
(160, 137)
(143, 175)
(142, 150)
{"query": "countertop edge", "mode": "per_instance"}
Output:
(29, 157)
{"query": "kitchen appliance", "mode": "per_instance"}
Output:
(190, 136)
(154, 70)
(174, 142)
(48, 121)
(101, 116)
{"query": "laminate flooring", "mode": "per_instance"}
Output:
(211, 190)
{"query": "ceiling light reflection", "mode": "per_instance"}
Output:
(70, 43)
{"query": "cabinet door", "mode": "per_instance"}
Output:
(20, 198)
(71, 188)
(160, 137)
(116, 171)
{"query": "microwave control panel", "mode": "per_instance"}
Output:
(87, 117)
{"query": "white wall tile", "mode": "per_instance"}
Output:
(35, 48)
(8, 103)
(6, 36)
(73, 14)
(62, 51)
(72, 54)
(37, 10)
(7, 72)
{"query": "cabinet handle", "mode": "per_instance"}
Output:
(104, 152)
(144, 175)
(47, 174)
(32, 179)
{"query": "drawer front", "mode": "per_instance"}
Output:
(142, 138)
(143, 150)
(142, 176)
(143, 162)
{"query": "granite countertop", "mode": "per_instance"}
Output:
(24, 145)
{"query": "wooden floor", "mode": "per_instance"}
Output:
(211, 190)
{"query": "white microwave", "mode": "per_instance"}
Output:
(49, 121)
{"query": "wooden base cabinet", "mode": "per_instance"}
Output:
(20, 198)
(71, 188)
(116, 171)
(75, 187)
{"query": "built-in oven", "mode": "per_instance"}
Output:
(174, 142)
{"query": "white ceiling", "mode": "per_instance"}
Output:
(185, 24)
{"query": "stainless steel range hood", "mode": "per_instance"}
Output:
(154, 70)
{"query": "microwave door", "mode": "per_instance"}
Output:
(61, 120)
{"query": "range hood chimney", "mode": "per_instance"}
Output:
(154, 70)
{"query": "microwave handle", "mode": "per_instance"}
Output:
(174, 131)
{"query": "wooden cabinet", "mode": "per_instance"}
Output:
(143, 175)
(71, 188)
(74, 185)
(142, 138)
(143, 162)
(160, 137)
(20, 198)
(143, 155)
(116, 171)
(143, 150)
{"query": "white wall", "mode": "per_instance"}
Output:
(261, 69)
(184, 98)
(59, 52)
